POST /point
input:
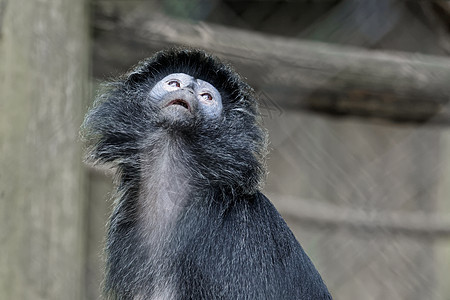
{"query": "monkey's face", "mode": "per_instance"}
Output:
(182, 99)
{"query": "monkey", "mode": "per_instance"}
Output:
(183, 132)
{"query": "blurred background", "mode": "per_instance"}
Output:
(354, 94)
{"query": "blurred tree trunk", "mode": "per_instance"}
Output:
(43, 81)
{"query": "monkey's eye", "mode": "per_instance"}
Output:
(174, 84)
(206, 96)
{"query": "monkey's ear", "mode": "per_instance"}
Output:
(113, 128)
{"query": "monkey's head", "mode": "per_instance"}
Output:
(185, 101)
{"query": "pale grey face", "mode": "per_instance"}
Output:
(185, 94)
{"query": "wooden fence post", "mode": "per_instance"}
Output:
(43, 82)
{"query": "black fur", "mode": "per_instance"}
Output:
(226, 241)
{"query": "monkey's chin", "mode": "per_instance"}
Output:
(177, 116)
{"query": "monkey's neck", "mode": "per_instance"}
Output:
(165, 188)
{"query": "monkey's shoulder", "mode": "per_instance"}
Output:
(249, 250)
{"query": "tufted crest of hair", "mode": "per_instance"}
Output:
(226, 153)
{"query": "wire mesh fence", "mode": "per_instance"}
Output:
(368, 202)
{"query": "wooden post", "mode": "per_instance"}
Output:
(43, 82)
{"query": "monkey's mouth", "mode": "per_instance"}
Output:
(179, 102)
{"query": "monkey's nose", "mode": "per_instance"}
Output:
(188, 89)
